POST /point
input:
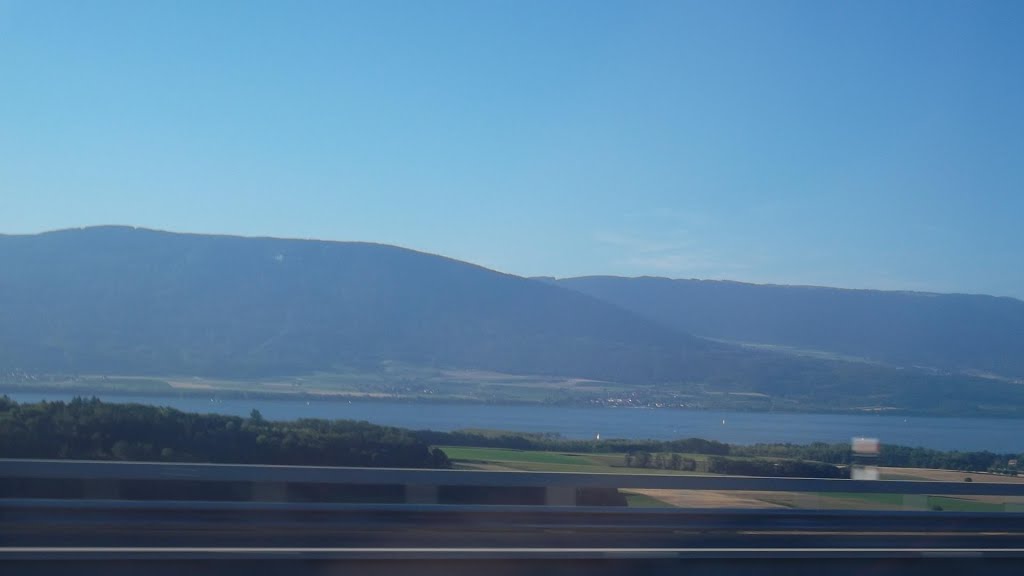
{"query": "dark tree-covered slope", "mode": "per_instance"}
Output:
(956, 332)
(87, 429)
(125, 300)
(120, 300)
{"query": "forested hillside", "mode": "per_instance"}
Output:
(957, 332)
(95, 430)
(131, 301)
(123, 301)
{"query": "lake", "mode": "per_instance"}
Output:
(997, 435)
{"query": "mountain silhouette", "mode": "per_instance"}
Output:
(126, 301)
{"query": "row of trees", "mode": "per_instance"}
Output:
(889, 455)
(556, 443)
(91, 429)
(94, 430)
(834, 454)
(780, 468)
(735, 466)
(661, 460)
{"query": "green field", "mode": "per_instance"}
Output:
(944, 503)
(508, 456)
(882, 499)
(465, 457)
(961, 505)
(635, 500)
(539, 461)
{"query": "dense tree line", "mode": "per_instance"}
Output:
(889, 455)
(662, 461)
(820, 452)
(783, 468)
(736, 466)
(95, 430)
(555, 443)
(91, 429)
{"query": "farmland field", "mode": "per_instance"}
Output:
(613, 463)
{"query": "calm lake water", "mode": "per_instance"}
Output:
(997, 435)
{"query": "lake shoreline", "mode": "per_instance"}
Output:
(349, 397)
(942, 433)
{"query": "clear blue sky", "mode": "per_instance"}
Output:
(860, 144)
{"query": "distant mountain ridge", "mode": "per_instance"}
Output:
(142, 301)
(955, 332)
(124, 301)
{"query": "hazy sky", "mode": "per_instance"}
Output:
(860, 144)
